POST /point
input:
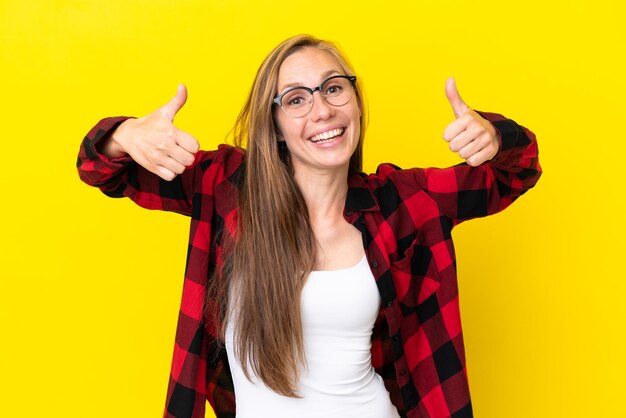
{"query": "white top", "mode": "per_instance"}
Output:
(339, 308)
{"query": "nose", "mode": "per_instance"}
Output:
(320, 109)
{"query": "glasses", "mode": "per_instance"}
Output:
(298, 101)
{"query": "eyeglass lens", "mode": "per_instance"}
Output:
(337, 91)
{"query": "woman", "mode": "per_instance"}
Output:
(312, 289)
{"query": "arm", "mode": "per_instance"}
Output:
(501, 163)
(146, 159)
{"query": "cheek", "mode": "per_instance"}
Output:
(356, 120)
(282, 124)
(288, 128)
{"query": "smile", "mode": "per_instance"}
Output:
(326, 136)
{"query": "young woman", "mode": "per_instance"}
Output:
(312, 289)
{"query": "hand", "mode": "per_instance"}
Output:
(154, 142)
(470, 135)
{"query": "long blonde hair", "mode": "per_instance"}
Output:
(267, 262)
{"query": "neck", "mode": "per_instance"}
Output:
(324, 192)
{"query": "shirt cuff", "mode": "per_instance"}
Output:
(508, 133)
(101, 132)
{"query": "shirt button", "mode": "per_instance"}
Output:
(389, 303)
(402, 372)
(348, 213)
(374, 263)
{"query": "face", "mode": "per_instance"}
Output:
(325, 138)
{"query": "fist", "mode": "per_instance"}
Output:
(470, 135)
(155, 143)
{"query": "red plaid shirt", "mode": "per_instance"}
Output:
(406, 218)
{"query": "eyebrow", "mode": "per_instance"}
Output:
(325, 75)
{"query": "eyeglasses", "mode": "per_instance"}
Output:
(298, 101)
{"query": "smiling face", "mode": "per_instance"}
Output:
(327, 136)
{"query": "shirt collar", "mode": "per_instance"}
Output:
(359, 195)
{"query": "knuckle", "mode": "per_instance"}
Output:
(154, 155)
(475, 129)
(170, 136)
(160, 146)
(153, 168)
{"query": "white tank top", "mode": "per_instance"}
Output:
(339, 308)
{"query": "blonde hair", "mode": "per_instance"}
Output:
(269, 259)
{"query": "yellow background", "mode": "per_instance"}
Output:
(90, 286)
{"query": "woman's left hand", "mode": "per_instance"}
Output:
(470, 135)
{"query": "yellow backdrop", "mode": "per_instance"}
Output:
(90, 286)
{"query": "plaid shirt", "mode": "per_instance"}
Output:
(405, 217)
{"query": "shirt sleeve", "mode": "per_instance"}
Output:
(206, 192)
(464, 192)
(122, 177)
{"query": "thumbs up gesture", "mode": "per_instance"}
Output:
(154, 142)
(470, 135)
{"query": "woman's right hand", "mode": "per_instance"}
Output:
(154, 142)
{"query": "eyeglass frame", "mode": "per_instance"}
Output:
(279, 99)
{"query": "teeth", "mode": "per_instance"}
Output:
(326, 136)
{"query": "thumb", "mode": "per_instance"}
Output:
(172, 107)
(458, 105)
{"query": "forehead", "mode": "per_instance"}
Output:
(307, 67)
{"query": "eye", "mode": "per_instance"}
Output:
(296, 98)
(295, 101)
(333, 89)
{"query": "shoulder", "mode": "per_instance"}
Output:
(391, 190)
(226, 161)
(224, 154)
(389, 175)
